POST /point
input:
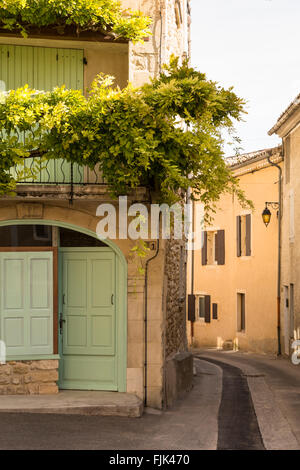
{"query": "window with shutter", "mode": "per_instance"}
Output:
(202, 308)
(241, 313)
(43, 68)
(213, 249)
(243, 235)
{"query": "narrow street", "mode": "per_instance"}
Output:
(239, 401)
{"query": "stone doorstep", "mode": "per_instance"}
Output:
(72, 402)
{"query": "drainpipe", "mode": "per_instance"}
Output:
(146, 324)
(279, 253)
(192, 267)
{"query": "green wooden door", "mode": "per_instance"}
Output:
(88, 327)
(43, 68)
(26, 303)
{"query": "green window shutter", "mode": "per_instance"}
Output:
(26, 303)
(43, 68)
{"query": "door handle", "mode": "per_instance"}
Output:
(112, 299)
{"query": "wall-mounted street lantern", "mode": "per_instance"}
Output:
(266, 215)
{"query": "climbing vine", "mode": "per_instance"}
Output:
(101, 16)
(165, 135)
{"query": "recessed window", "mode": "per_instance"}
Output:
(42, 233)
(71, 238)
(213, 248)
(215, 311)
(42, 236)
(25, 235)
(202, 308)
(241, 313)
(244, 235)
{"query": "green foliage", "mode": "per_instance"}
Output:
(165, 135)
(138, 254)
(104, 16)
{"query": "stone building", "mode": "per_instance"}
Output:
(233, 280)
(288, 129)
(74, 312)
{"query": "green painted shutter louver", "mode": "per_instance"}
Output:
(43, 68)
(26, 303)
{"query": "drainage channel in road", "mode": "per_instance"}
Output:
(237, 422)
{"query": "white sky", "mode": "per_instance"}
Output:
(253, 45)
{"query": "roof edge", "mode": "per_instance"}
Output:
(252, 157)
(285, 115)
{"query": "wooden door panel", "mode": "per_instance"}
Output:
(26, 302)
(89, 329)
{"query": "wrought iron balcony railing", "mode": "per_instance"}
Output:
(57, 171)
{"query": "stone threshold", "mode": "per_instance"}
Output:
(71, 402)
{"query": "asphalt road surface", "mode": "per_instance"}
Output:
(239, 402)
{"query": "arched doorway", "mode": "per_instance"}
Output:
(73, 291)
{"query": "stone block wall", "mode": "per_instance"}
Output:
(29, 377)
(179, 377)
(175, 272)
(168, 37)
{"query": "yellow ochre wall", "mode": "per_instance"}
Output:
(255, 276)
(290, 241)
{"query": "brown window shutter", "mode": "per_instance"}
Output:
(191, 308)
(207, 309)
(238, 236)
(220, 247)
(204, 248)
(248, 235)
(215, 311)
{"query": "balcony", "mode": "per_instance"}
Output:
(57, 178)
